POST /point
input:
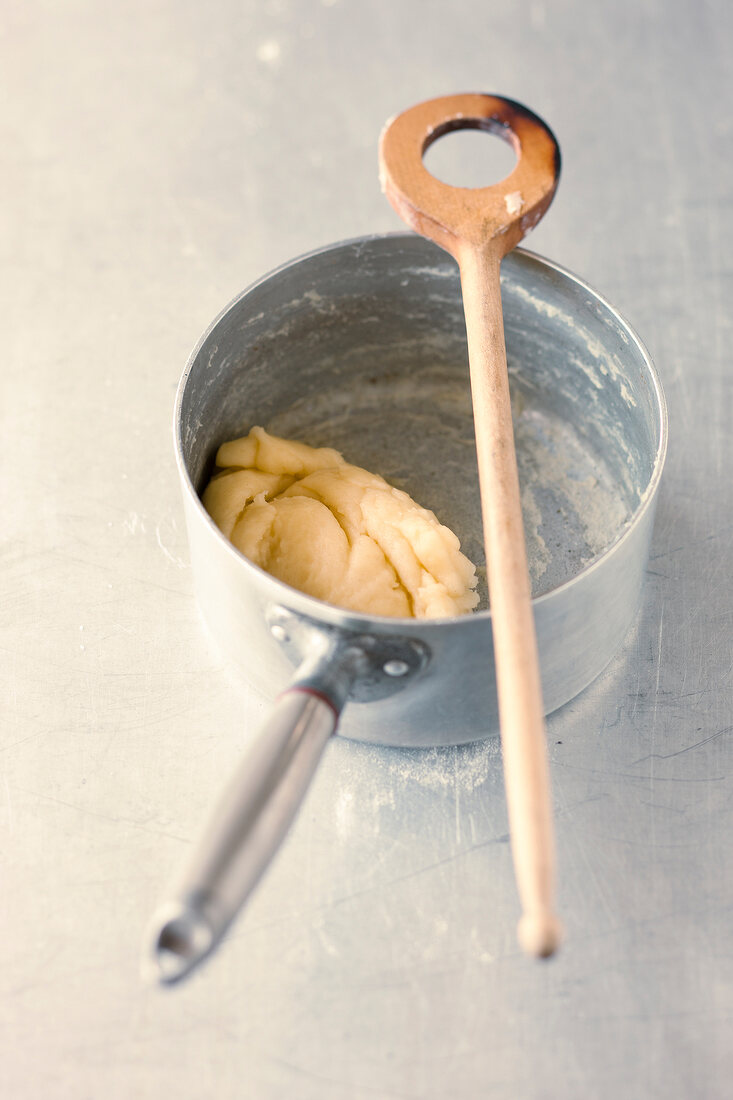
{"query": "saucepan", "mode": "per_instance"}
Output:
(361, 346)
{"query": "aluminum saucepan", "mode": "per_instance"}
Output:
(361, 346)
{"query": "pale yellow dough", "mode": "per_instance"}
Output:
(336, 531)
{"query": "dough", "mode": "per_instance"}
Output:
(336, 531)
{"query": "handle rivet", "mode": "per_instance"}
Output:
(279, 632)
(395, 667)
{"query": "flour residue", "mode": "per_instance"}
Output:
(607, 363)
(572, 505)
(538, 554)
(455, 767)
(374, 785)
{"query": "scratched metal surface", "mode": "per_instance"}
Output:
(155, 159)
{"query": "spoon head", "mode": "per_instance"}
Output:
(491, 218)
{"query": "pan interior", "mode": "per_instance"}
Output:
(364, 350)
(416, 430)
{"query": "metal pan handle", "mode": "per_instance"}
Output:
(262, 799)
(244, 833)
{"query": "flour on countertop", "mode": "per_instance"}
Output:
(454, 766)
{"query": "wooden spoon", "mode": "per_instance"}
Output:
(478, 226)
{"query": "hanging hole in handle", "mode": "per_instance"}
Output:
(183, 940)
(466, 153)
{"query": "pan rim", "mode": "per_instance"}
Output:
(362, 621)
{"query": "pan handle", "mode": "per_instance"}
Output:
(245, 831)
(263, 797)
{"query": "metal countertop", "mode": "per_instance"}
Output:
(155, 159)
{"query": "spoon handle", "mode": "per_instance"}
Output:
(526, 772)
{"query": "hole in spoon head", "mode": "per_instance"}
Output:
(475, 157)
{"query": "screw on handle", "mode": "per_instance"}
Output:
(478, 226)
